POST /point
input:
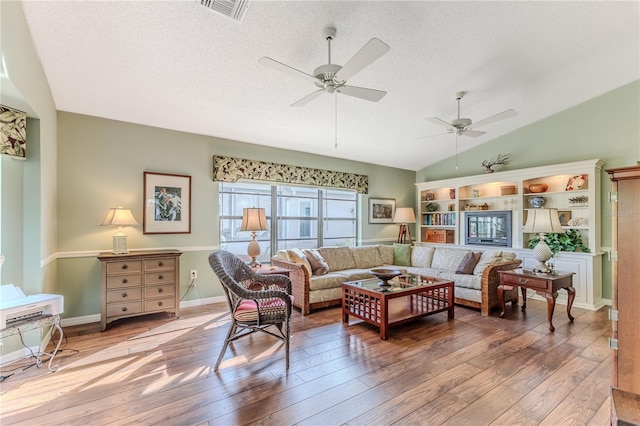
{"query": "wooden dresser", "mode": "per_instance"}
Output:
(625, 297)
(139, 283)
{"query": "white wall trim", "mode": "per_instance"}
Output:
(88, 319)
(94, 253)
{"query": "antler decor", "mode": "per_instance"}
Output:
(500, 160)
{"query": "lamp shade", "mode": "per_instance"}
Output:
(119, 217)
(254, 219)
(543, 220)
(404, 215)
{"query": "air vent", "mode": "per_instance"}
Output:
(234, 9)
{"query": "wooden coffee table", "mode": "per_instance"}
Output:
(411, 297)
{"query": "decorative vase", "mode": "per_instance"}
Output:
(536, 202)
(452, 193)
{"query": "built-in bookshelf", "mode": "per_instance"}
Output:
(571, 188)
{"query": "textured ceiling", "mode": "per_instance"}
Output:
(177, 65)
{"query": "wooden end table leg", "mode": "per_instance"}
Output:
(524, 298)
(501, 289)
(551, 304)
(571, 293)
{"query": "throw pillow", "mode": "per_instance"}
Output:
(297, 256)
(318, 264)
(402, 254)
(469, 261)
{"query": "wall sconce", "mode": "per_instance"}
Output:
(254, 219)
(403, 216)
(119, 217)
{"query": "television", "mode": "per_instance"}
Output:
(491, 228)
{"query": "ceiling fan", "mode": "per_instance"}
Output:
(332, 78)
(464, 126)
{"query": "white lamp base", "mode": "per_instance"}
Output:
(542, 253)
(253, 251)
(120, 243)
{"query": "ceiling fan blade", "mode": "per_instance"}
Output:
(365, 56)
(437, 134)
(362, 93)
(472, 133)
(439, 122)
(311, 96)
(504, 114)
(272, 63)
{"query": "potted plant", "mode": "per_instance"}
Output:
(571, 240)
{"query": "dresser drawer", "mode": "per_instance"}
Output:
(120, 281)
(124, 267)
(162, 264)
(124, 295)
(531, 282)
(160, 277)
(126, 308)
(159, 290)
(159, 304)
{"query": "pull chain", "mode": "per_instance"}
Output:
(335, 146)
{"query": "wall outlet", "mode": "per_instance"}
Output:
(194, 274)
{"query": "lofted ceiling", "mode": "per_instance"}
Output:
(178, 65)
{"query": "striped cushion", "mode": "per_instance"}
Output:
(247, 310)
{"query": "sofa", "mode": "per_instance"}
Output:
(317, 275)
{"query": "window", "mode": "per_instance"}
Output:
(302, 217)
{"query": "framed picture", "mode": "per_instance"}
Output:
(564, 216)
(381, 210)
(167, 204)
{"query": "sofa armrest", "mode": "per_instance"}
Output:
(299, 277)
(490, 282)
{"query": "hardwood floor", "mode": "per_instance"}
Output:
(472, 370)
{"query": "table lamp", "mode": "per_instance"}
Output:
(404, 215)
(119, 217)
(542, 221)
(253, 219)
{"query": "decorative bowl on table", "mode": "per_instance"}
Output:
(537, 188)
(384, 275)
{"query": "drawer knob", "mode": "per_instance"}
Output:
(124, 281)
(523, 280)
(160, 264)
(124, 266)
(159, 290)
(159, 303)
(124, 309)
(160, 277)
(124, 294)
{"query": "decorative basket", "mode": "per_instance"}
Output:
(508, 190)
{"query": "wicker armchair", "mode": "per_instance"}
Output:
(256, 301)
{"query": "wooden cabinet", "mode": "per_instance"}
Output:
(625, 218)
(443, 236)
(139, 283)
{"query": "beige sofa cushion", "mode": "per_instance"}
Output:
(297, 256)
(447, 259)
(366, 257)
(317, 262)
(386, 254)
(330, 280)
(338, 258)
(421, 256)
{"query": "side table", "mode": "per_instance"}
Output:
(271, 270)
(546, 285)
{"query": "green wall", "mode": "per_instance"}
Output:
(101, 164)
(605, 127)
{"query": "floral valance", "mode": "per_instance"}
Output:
(13, 130)
(230, 169)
